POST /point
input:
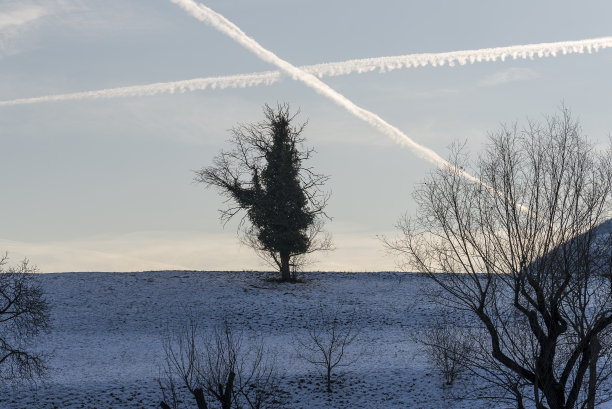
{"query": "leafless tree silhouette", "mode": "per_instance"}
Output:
(526, 257)
(329, 335)
(450, 348)
(218, 368)
(24, 314)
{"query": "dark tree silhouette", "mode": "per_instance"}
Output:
(526, 257)
(24, 314)
(327, 342)
(218, 368)
(264, 175)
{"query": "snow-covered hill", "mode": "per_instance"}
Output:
(106, 347)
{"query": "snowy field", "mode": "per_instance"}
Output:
(106, 341)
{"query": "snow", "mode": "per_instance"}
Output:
(106, 341)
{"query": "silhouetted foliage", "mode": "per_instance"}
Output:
(24, 314)
(264, 175)
(525, 256)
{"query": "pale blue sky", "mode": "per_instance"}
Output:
(107, 184)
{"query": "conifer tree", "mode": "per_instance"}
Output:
(265, 176)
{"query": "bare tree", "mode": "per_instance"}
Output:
(524, 255)
(449, 347)
(217, 368)
(500, 383)
(265, 177)
(183, 358)
(329, 335)
(24, 314)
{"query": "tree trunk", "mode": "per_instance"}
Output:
(329, 389)
(198, 394)
(595, 348)
(555, 398)
(226, 397)
(285, 271)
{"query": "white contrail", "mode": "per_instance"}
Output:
(526, 51)
(380, 64)
(219, 22)
(230, 81)
(207, 15)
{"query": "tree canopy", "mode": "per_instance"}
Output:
(264, 175)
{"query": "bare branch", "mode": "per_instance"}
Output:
(24, 314)
(534, 280)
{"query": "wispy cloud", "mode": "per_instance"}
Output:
(509, 75)
(11, 19)
(15, 19)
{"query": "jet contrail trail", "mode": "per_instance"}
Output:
(229, 81)
(359, 66)
(452, 58)
(217, 21)
(220, 23)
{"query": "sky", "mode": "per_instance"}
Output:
(107, 184)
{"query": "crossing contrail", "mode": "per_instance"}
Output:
(359, 66)
(217, 21)
(220, 23)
